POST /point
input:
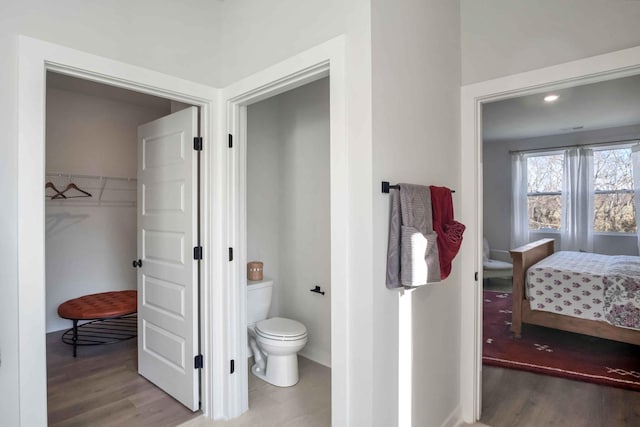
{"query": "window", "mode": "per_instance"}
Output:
(613, 187)
(544, 191)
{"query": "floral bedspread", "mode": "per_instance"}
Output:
(588, 286)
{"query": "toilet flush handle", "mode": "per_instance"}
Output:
(317, 290)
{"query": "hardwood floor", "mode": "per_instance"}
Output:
(524, 399)
(101, 387)
(307, 404)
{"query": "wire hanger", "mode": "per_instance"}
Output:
(58, 194)
(72, 186)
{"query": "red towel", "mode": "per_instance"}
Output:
(449, 230)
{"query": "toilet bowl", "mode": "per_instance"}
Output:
(278, 340)
(274, 342)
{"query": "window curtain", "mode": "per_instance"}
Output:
(635, 163)
(576, 226)
(519, 202)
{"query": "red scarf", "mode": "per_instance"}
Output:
(449, 230)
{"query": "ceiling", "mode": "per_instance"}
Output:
(87, 87)
(602, 105)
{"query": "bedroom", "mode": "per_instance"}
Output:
(594, 126)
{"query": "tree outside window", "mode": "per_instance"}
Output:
(613, 184)
(544, 191)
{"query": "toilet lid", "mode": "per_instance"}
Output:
(281, 328)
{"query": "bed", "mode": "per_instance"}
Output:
(601, 300)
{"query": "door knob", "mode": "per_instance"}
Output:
(137, 263)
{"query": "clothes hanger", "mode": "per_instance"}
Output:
(72, 186)
(58, 194)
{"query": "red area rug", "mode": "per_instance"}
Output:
(553, 352)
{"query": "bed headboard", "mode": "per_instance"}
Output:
(533, 252)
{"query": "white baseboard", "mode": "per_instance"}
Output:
(454, 419)
(318, 357)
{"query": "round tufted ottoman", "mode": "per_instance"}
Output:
(107, 310)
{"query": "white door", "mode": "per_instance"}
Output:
(168, 275)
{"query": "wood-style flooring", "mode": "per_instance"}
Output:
(307, 404)
(101, 387)
(518, 398)
(525, 399)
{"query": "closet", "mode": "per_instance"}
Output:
(92, 233)
(91, 166)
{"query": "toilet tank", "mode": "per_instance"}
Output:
(258, 300)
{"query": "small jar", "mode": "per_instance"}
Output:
(254, 270)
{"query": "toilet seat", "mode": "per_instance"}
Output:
(281, 329)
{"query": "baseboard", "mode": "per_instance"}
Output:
(322, 359)
(454, 419)
(311, 356)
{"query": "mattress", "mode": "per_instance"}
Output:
(588, 286)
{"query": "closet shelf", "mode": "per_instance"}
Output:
(92, 190)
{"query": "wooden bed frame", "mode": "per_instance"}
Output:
(523, 258)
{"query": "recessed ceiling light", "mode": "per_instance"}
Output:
(551, 98)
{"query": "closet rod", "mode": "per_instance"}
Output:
(386, 187)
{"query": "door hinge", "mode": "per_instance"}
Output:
(230, 254)
(476, 276)
(233, 366)
(230, 141)
(197, 143)
(197, 252)
(198, 362)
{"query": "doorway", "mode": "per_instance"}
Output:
(323, 61)
(36, 58)
(603, 67)
(100, 141)
(289, 232)
(540, 136)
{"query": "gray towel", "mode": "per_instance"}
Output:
(412, 254)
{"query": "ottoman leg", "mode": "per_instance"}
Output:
(75, 337)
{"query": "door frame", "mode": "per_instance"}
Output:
(608, 66)
(321, 61)
(35, 58)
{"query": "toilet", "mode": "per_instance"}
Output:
(274, 342)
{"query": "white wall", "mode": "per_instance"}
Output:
(177, 38)
(288, 221)
(256, 34)
(416, 80)
(497, 187)
(503, 37)
(305, 222)
(9, 356)
(264, 192)
(89, 248)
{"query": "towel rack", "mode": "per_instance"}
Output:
(386, 187)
